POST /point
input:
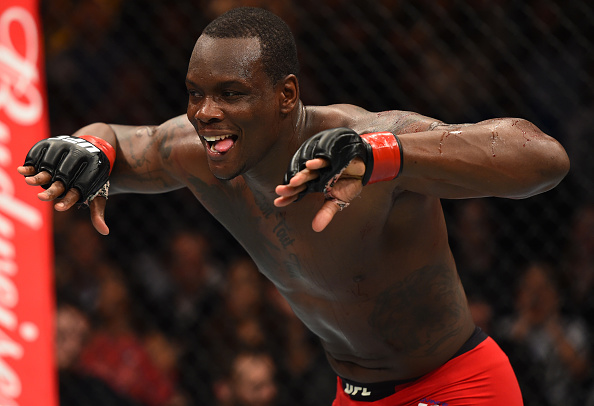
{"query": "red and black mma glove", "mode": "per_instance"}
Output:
(380, 151)
(83, 162)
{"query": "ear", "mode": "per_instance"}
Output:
(288, 93)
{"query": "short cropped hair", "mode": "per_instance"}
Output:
(279, 52)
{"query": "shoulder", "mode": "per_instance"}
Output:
(181, 150)
(175, 130)
(363, 121)
(336, 115)
(177, 137)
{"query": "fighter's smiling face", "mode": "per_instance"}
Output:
(232, 103)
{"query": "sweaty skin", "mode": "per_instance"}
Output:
(376, 282)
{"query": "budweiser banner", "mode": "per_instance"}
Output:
(27, 372)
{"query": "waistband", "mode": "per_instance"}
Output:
(371, 392)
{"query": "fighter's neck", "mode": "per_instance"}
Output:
(270, 171)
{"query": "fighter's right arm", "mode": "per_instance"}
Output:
(148, 156)
(143, 163)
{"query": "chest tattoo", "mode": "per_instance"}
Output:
(281, 229)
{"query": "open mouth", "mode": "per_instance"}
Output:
(221, 143)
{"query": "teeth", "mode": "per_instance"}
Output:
(217, 138)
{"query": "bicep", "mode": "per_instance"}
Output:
(145, 156)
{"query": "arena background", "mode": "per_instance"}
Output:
(124, 61)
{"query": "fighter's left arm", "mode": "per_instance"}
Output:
(500, 157)
(505, 157)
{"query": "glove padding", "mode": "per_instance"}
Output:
(75, 162)
(338, 146)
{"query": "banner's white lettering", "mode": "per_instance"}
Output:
(20, 97)
(21, 100)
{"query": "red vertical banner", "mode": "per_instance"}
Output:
(27, 372)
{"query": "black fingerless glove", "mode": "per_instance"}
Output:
(380, 151)
(82, 162)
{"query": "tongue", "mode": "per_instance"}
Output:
(223, 145)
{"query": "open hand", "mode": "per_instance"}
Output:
(70, 198)
(339, 192)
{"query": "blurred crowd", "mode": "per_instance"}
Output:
(178, 327)
(168, 310)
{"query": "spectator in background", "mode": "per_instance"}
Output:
(197, 279)
(548, 349)
(181, 289)
(241, 320)
(81, 260)
(303, 368)
(473, 232)
(481, 264)
(579, 261)
(133, 362)
(254, 315)
(249, 379)
(236, 321)
(75, 387)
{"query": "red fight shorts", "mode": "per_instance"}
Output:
(481, 376)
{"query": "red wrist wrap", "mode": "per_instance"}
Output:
(104, 146)
(387, 155)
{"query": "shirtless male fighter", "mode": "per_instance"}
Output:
(376, 282)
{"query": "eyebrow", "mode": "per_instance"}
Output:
(222, 84)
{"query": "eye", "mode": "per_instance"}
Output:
(193, 93)
(231, 94)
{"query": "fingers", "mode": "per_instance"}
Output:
(317, 163)
(32, 178)
(309, 173)
(26, 170)
(97, 207)
(69, 200)
(55, 191)
(51, 193)
(288, 194)
(297, 184)
(325, 215)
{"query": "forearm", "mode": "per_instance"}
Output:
(139, 165)
(505, 158)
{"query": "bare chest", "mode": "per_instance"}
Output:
(358, 244)
(293, 256)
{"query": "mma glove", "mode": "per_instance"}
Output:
(82, 162)
(380, 151)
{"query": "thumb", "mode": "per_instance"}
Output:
(325, 215)
(97, 207)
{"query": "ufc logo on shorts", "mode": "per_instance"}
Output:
(430, 402)
(354, 390)
(80, 142)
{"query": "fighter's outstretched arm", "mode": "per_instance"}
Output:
(140, 157)
(501, 157)
(507, 157)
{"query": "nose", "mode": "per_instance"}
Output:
(208, 110)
